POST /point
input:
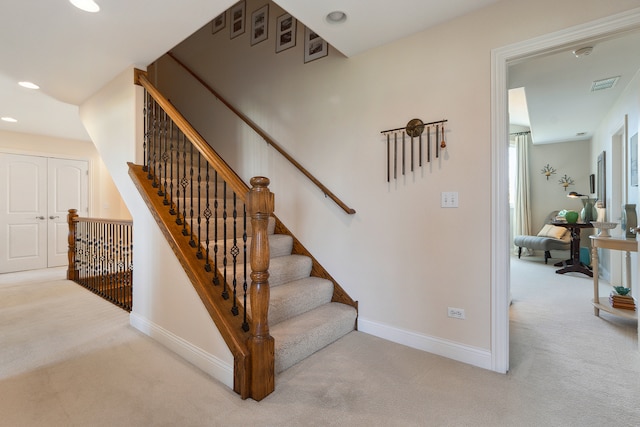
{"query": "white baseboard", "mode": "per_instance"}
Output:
(209, 363)
(452, 350)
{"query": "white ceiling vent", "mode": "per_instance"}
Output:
(604, 83)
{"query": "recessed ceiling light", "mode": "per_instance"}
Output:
(29, 85)
(8, 119)
(336, 17)
(86, 5)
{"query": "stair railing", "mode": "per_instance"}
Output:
(208, 204)
(101, 257)
(266, 137)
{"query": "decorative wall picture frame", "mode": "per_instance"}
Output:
(236, 17)
(633, 160)
(260, 25)
(315, 47)
(602, 179)
(219, 22)
(285, 32)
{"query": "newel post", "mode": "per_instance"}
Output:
(260, 203)
(72, 273)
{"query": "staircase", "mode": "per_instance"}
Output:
(302, 317)
(202, 215)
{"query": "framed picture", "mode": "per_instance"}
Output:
(633, 158)
(260, 25)
(602, 179)
(218, 22)
(314, 46)
(285, 32)
(237, 19)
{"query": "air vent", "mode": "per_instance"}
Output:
(604, 83)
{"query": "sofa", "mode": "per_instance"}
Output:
(549, 238)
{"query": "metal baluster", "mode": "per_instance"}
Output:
(207, 216)
(225, 291)
(162, 160)
(216, 279)
(234, 253)
(145, 140)
(165, 160)
(245, 324)
(184, 183)
(191, 242)
(156, 139)
(172, 147)
(199, 254)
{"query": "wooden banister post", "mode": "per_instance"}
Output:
(260, 202)
(72, 273)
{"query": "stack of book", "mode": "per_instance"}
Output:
(624, 302)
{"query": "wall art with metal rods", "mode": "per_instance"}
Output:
(414, 130)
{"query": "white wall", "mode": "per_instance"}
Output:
(628, 105)
(165, 305)
(402, 256)
(105, 200)
(571, 158)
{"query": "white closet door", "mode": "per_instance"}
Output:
(67, 189)
(23, 212)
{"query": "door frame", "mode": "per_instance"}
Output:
(500, 258)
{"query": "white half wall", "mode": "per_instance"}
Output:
(165, 305)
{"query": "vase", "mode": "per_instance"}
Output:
(589, 212)
(571, 217)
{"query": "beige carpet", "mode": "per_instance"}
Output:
(67, 358)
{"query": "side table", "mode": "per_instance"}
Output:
(616, 244)
(573, 264)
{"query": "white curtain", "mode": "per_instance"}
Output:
(522, 208)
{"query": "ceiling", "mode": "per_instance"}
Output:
(71, 54)
(557, 86)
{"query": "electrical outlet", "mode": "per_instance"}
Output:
(456, 313)
(449, 199)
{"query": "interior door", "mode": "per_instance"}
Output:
(67, 189)
(23, 212)
(36, 194)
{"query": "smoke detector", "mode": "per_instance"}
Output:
(584, 51)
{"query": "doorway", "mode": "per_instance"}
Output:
(500, 256)
(35, 196)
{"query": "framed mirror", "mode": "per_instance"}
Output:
(602, 179)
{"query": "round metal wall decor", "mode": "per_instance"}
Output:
(414, 128)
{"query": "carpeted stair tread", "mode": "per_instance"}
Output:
(303, 335)
(297, 297)
(281, 270)
(279, 245)
(239, 224)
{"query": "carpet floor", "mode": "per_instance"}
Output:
(68, 358)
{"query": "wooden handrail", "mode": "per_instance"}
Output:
(232, 179)
(266, 138)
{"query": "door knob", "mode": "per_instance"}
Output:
(39, 217)
(54, 217)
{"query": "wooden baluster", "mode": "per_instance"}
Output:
(260, 202)
(72, 273)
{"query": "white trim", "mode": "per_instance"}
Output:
(452, 350)
(209, 363)
(500, 57)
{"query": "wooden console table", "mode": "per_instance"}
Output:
(616, 244)
(573, 264)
